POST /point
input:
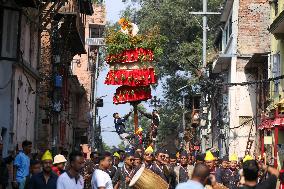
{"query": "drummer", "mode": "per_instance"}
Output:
(159, 165)
(148, 157)
(123, 175)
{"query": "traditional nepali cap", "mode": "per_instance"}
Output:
(177, 154)
(225, 158)
(59, 159)
(200, 157)
(209, 156)
(46, 156)
(247, 158)
(183, 153)
(162, 150)
(116, 155)
(137, 156)
(139, 130)
(173, 156)
(233, 157)
(149, 149)
(129, 152)
(139, 147)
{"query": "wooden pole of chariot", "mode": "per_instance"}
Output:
(136, 122)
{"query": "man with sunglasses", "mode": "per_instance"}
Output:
(158, 166)
(184, 170)
(148, 157)
(124, 174)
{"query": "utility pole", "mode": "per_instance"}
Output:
(95, 81)
(204, 13)
(98, 42)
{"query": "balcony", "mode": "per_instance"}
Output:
(277, 27)
(222, 63)
(73, 27)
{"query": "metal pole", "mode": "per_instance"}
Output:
(95, 99)
(204, 33)
(183, 115)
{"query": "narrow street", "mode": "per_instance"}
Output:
(141, 94)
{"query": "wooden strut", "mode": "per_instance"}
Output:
(135, 106)
(135, 109)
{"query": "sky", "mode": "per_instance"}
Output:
(113, 8)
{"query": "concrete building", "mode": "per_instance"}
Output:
(243, 36)
(19, 75)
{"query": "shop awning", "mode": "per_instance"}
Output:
(266, 124)
(278, 122)
(271, 123)
(277, 27)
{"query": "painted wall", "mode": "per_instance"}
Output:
(24, 84)
(6, 116)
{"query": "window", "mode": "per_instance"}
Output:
(96, 31)
(276, 71)
(227, 32)
(9, 33)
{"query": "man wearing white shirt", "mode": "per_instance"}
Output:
(101, 178)
(71, 179)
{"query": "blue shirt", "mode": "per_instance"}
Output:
(190, 184)
(22, 162)
(38, 181)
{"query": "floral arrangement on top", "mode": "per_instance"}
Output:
(127, 45)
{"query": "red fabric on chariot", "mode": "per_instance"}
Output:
(130, 56)
(137, 77)
(126, 94)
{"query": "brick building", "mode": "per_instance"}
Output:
(243, 45)
(63, 37)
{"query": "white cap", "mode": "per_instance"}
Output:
(59, 159)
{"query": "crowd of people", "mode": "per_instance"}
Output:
(181, 170)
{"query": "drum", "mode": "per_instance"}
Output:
(146, 179)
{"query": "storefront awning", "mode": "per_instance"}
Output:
(271, 123)
(278, 122)
(266, 124)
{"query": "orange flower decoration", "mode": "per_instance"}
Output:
(123, 23)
